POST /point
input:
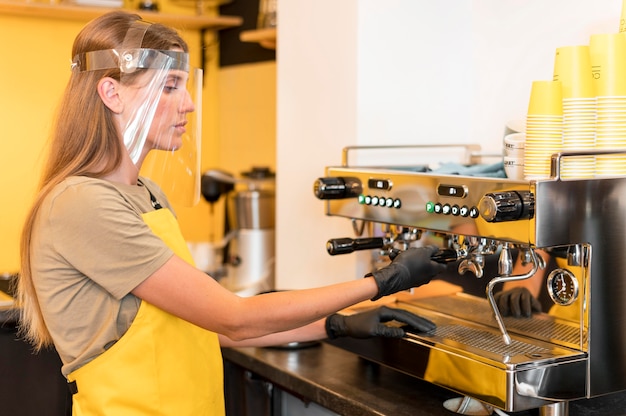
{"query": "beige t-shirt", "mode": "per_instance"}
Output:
(90, 249)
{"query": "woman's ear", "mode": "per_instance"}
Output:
(108, 90)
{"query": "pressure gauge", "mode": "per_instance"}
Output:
(562, 287)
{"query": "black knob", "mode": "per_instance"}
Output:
(337, 187)
(212, 188)
(507, 206)
(259, 172)
(348, 245)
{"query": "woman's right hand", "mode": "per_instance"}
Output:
(411, 268)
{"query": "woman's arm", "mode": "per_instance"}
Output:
(311, 332)
(364, 324)
(185, 291)
(190, 294)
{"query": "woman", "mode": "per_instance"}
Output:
(106, 276)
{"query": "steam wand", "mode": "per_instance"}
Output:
(505, 269)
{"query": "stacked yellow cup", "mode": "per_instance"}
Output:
(622, 19)
(544, 128)
(608, 60)
(572, 67)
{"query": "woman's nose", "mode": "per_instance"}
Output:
(187, 105)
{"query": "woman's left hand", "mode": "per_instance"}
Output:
(372, 323)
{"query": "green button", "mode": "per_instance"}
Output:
(430, 207)
(361, 199)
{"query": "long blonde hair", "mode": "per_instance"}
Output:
(81, 145)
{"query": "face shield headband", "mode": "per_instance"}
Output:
(162, 104)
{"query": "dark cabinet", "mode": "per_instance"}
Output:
(246, 394)
(30, 384)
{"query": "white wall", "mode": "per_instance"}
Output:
(369, 72)
(414, 71)
(316, 117)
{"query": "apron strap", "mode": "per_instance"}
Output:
(153, 200)
(72, 386)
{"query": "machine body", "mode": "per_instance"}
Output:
(575, 350)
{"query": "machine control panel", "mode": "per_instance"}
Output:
(415, 199)
(452, 209)
(384, 184)
(454, 191)
(380, 201)
(493, 207)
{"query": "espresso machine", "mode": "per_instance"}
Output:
(574, 350)
(249, 233)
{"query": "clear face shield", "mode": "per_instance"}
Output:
(161, 110)
(177, 129)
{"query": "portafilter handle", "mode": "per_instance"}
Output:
(336, 246)
(444, 255)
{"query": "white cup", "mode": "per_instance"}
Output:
(514, 126)
(514, 144)
(514, 167)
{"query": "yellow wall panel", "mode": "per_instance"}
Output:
(35, 67)
(239, 126)
(247, 114)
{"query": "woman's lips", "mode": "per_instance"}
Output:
(180, 127)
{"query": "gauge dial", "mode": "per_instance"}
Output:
(562, 287)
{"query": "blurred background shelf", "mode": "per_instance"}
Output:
(86, 13)
(264, 37)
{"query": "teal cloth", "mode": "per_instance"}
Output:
(495, 170)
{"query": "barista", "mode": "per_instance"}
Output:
(106, 276)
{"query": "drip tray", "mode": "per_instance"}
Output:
(466, 353)
(473, 310)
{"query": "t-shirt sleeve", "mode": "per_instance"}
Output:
(100, 234)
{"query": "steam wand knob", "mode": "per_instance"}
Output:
(337, 187)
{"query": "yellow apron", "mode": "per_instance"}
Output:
(162, 365)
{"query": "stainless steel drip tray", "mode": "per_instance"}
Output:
(478, 327)
(467, 354)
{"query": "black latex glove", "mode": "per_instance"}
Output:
(371, 324)
(517, 302)
(411, 268)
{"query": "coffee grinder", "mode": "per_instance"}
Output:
(249, 229)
